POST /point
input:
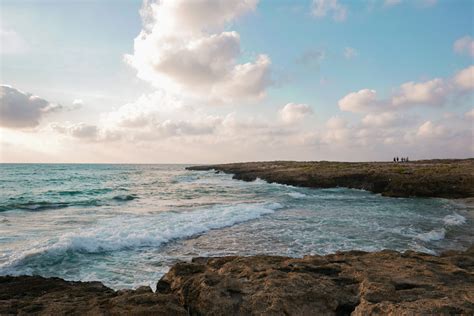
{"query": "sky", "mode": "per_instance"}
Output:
(208, 81)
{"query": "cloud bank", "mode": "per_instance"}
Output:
(434, 92)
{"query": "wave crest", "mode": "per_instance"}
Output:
(454, 220)
(432, 235)
(130, 231)
(297, 195)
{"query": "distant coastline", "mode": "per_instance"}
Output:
(444, 178)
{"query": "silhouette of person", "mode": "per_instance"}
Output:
(397, 159)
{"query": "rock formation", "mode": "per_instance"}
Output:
(424, 178)
(353, 282)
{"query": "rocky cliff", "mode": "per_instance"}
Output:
(356, 283)
(425, 178)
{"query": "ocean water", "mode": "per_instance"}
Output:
(125, 225)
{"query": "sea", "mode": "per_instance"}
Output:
(125, 225)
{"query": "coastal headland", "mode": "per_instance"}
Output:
(354, 282)
(444, 178)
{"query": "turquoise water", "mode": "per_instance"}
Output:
(124, 225)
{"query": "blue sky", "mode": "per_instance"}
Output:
(395, 45)
(74, 48)
(71, 54)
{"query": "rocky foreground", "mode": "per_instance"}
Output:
(453, 178)
(356, 283)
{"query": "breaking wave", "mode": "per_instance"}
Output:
(128, 231)
(432, 235)
(297, 195)
(454, 220)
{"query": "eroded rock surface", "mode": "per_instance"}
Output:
(352, 282)
(356, 283)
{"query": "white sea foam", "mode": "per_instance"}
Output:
(420, 248)
(297, 195)
(432, 235)
(454, 220)
(130, 231)
(274, 184)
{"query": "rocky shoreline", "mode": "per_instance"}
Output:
(453, 178)
(354, 282)
(345, 283)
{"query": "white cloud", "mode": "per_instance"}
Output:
(464, 45)
(293, 112)
(429, 130)
(183, 50)
(350, 52)
(245, 81)
(380, 119)
(361, 101)
(336, 122)
(201, 126)
(160, 118)
(195, 16)
(195, 136)
(464, 79)
(19, 109)
(77, 103)
(336, 131)
(11, 42)
(432, 92)
(85, 131)
(321, 8)
(145, 111)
